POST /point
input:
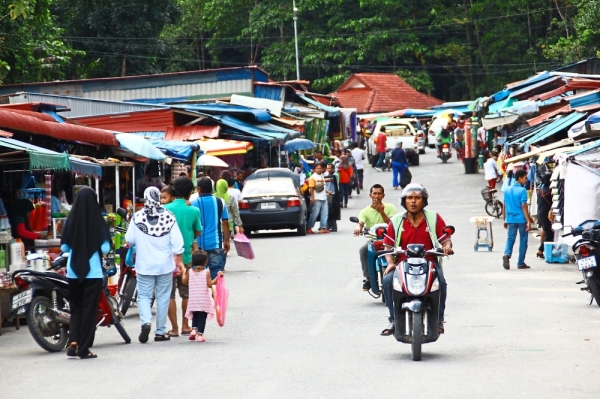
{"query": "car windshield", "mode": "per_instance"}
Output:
(416, 125)
(273, 186)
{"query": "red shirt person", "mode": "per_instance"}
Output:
(381, 147)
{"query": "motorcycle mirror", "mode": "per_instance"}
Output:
(122, 212)
(354, 219)
(557, 226)
(449, 230)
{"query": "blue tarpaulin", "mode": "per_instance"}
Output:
(85, 167)
(254, 130)
(260, 115)
(176, 149)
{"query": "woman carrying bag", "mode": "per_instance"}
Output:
(85, 235)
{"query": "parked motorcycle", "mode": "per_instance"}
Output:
(376, 265)
(587, 253)
(445, 152)
(44, 299)
(416, 295)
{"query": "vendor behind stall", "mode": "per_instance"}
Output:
(19, 223)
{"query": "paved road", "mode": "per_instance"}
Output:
(299, 326)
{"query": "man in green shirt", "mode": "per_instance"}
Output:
(377, 212)
(188, 220)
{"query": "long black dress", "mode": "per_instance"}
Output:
(334, 206)
(544, 203)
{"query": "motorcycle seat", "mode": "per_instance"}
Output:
(493, 190)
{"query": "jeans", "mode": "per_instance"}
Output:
(397, 171)
(161, 285)
(364, 259)
(380, 160)
(512, 237)
(388, 289)
(319, 208)
(216, 261)
(360, 174)
(344, 193)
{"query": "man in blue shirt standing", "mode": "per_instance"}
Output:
(215, 226)
(516, 218)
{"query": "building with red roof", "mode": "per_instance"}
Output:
(381, 92)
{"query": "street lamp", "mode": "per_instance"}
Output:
(296, 40)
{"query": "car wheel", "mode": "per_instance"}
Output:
(422, 151)
(301, 229)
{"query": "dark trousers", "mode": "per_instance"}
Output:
(388, 289)
(199, 321)
(344, 193)
(360, 174)
(83, 302)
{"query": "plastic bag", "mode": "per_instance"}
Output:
(243, 246)
(406, 178)
(221, 298)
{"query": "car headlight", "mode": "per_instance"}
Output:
(397, 284)
(436, 285)
(416, 284)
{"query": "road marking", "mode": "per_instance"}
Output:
(352, 285)
(325, 318)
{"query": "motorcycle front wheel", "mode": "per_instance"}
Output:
(125, 300)
(417, 335)
(47, 333)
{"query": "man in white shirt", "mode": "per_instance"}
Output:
(359, 155)
(481, 137)
(491, 168)
(234, 192)
(318, 200)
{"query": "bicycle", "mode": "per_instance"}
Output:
(493, 206)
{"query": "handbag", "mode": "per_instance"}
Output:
(243, 246)
(406, 178)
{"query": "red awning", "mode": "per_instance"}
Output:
(61, 131)
(194, 132)
(156, 120)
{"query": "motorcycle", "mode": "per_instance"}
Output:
(376, 265)
(127, 283)
(44, 299)
(587, 253)
(416, 295)
(445, 152)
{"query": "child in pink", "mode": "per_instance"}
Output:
(200, 304)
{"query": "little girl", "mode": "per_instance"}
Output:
(200, 303)
(167, 195)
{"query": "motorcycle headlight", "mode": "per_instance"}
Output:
(397, 284)
(436, 285)
(416, 284)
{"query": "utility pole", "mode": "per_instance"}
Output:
(296, 40)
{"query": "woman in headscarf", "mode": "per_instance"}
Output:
(20, 225)
(232, 206)
(544, 203)
(159, 245)
(399, 164)
(345, 171)
(85, 235)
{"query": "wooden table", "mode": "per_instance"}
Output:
(6, 295)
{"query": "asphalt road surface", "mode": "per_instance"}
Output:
(299, 326)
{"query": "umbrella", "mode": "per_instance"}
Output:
(209, 160)
(298, 144)
(139, 146)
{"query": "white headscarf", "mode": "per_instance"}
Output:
(154, 220)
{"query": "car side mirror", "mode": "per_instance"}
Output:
(354, 219)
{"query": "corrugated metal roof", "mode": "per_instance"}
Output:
(555, 127)
(83, 106)
(157, 120)
(275, 93)
(151, 135)
(191, 133)
(61, 131)
(260, 115)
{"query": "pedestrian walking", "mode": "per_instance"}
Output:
(200, 306)
(318, 200)
(346, 173)
(159, 248)
(215, 226)
(333, 199)
(399, 164)
(516, 219)
(190, 226)
(84, 235)
(381, 148)
(232, 207)
(544, 202)
(359, 155)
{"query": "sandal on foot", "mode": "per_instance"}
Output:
(173, 334)
(391, 330)
(540, 254)
(72, 350)
(159, 338)
(200, 338)
(441, 328)
(193, 334)
(186, 332)
(89, 355)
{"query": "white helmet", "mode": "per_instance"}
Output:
(414, 188)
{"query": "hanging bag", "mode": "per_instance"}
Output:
(243, 246)
(406, 178)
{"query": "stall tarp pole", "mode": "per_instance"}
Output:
(279, 155)
(98, 189)
(133, 189)
(48, 179)
(117, 194)
(193, 171)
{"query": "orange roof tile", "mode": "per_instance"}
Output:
(381, 92)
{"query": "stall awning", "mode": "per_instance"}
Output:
(556, 126)
(490, 123)
(177, 149)
(218, 147)
(39, 158)
(540, 150)
(253, 130)
(84, 167)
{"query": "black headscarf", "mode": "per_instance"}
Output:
(84, 232)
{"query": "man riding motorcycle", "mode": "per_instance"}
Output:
(377, 212)
(416, 226)
(443, 137)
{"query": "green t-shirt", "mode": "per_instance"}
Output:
(188, 220)
(370, 217)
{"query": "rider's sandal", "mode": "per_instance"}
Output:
(72, 350)
(389, 331)
(159, 338)
(441, 328)
(89, 355)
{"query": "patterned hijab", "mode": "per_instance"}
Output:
(344, 162)
(154, 220)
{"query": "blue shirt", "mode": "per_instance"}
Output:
(212, 235)
(514, 198)
(398, 155)
(95, 264)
